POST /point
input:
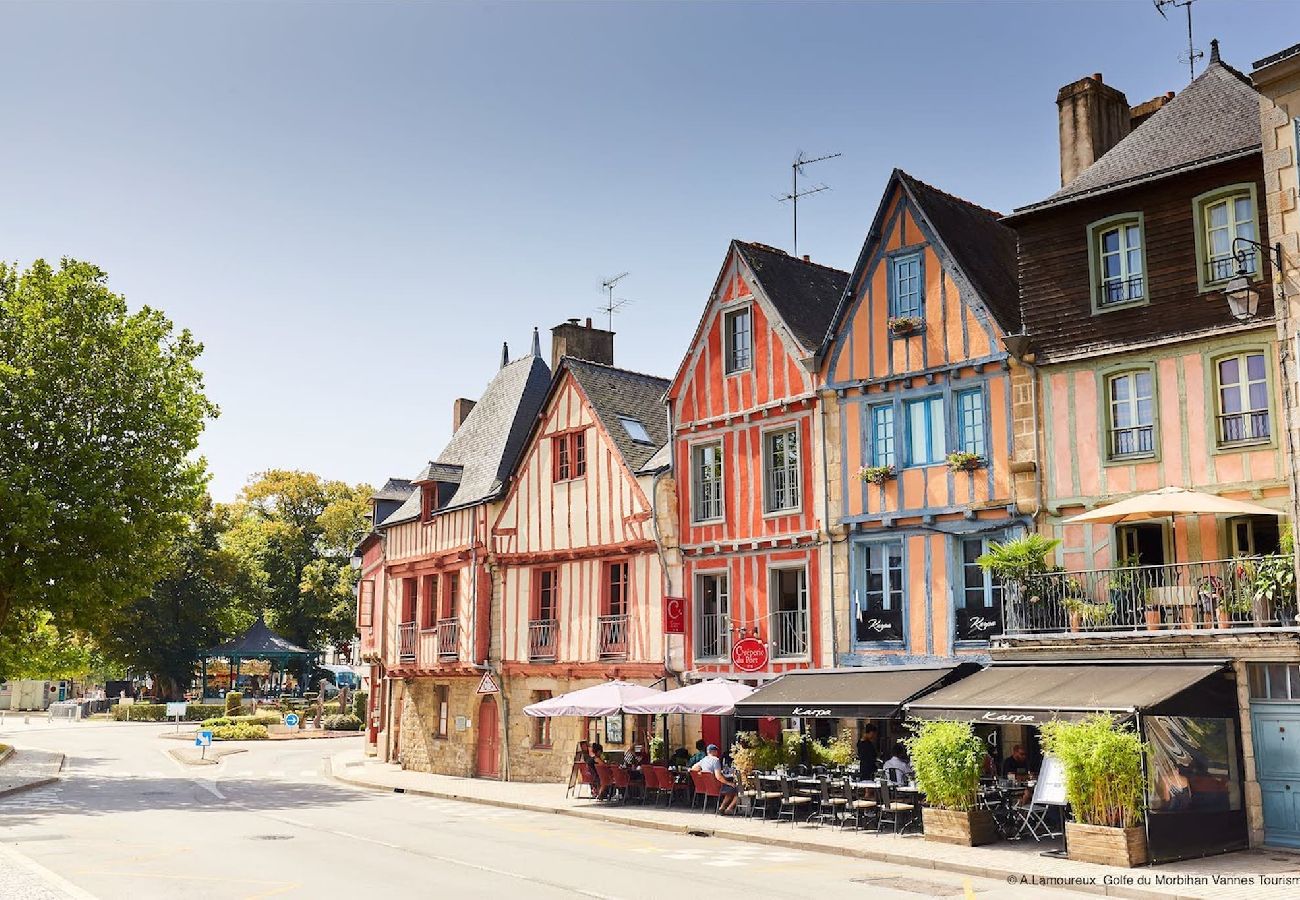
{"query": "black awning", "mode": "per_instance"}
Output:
(867, 693)
(1016, 694)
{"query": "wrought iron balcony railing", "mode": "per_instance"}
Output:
(542, 634)
(790, 633)
(713, 636)
(613, 636)
(406, 641)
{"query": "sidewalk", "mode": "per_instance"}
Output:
(1232, 875)
(27, 769)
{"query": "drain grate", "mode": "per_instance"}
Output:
(271, 837)
(699, 834)
(912, 885)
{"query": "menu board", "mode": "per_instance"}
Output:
(1051, 782)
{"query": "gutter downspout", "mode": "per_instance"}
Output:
(486, 665)
(826, 526)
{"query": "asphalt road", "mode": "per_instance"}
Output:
(130, 823)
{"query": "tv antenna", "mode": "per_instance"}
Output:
(1192, 53)
(613, 305)
(796, 169)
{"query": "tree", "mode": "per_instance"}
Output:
(34, 648)
(295, 532)
(100, 414)
(200, 600)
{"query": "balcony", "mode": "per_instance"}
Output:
(1244, 427)
(1136, 440)
(406, 642)
(613, 636)
(789, 633)
(713, 636)
(1253, 592)
(542, 635)
(1223, 268)
(448, 639)
(1116, 291)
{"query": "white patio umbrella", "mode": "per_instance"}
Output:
(595, 701)
(714, 697)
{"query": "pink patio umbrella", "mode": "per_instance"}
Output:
(715, 697)
(606, 699)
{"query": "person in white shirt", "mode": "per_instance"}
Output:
(898, 769)
(712, 765)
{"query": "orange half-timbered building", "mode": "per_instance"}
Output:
(580, 578)
(747, 464)
(922, 442)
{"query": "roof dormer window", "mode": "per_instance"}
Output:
(636, 430)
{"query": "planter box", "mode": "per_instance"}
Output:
(969, 829)
(1107, 846)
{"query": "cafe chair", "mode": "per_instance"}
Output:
(858, 808)
(764, 795)
(605, 785)
(791, 802)
(894, 811)
(707, 786)
(622, 782)
(829, 805)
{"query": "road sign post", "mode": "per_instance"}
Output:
(203, 740)
(177, 711)
(291, 720)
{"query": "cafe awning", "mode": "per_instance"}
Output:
(1031, 694)
(875, 692)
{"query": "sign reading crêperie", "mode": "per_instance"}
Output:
(674, 615)
(749, 655)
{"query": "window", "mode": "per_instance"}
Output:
(428, 500)
(635, 429)
(879, 594)
(738, 340)
(429, 601)
(366, 604)
(409, 600)
(905, 297)
(440, 693)
(882, 435)
(781, 469)
(541, 724)
(546, 596)
(980, 590)
(1117, 261)
(925, 437)
(1274, 681)
(1222, 217)
(1243, 399)
(615, 589)
(970, 421)
(712, 616)
(789, 623)
(1131, 397)
(706, 482)
(569, 456)
(1254, 535)
(450, 594)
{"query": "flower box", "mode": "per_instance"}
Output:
(960, 461)
(904, 326)
(877, 474)
(1106, 846)
(968, 828)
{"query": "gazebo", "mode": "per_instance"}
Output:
(259, 642)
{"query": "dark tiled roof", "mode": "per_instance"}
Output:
(1278, 56)
(804, 293)
(444, 472)
(1215, 117)
(618, 392)
(489, 440)
(393, 489)
(982, 247)
(258, 640)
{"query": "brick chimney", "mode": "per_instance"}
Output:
(573, 338)
(1093, 118)
(460, 410)
(1143, 111)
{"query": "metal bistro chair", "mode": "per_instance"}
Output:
(1031, 818)
(858, 808)
(679, 785)
(897, 813)
(658, 779)
(605, 787)
(791, 802)
(766, 790)
(829, 804)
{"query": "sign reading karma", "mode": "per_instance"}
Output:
(749, 655)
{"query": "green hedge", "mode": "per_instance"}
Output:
(259, 719)
(341, 723)
(157, 712)
(242, 731)
(359, 705)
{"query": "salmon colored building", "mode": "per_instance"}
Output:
(747, 464)
(916, 370)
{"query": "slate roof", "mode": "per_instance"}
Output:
(488, 442)
(805, 294)
(619, 392)
(662, 459)
(258, 640)
(980, 244)
(393, 489)
(1216, 117)
(444, 472)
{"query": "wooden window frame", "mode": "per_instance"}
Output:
(1200, 205)
(731, 364)
(410, 588)
(366, 603)
(722, 579)
(449, 595)
(1243, 354)
(569, 456)
(1108, 377)
(608, 570)
(896, 262)
(542, 739)
(429, 590)
(977, 441)
(539, 589)
(428, 500)
(442, 711)
(884, 449)
(926, 400)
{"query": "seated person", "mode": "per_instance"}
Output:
(898, 768)
(699, 754)
(1017, 764)
(712, 764)
(680, 757)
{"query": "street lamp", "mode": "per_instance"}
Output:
(1243, 299)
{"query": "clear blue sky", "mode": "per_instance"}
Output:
(352, 206)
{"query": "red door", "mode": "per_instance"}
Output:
(488, 743)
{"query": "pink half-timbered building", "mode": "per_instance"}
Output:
(746, 454)
(580, 578)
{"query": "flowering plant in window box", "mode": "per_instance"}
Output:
(902, 326)
(961, 461)
(877, 474)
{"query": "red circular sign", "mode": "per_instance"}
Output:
(749, 655)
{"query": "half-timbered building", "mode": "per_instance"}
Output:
(749, 479)
(921, 433)
(578, 568)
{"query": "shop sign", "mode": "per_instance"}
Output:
(674, 615)
(978, 624)
(1004, 718)
(877, 625)
(749, 655)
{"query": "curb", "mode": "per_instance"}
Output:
(994, 873)
(5, 754)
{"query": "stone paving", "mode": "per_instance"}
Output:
(28, 769)
(1244, 874)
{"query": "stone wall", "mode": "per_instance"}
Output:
(1024, 440)
(419, 746)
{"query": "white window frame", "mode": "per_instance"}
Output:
(1242, 387)
(789, 471)
(774, 573)
(1132, 405)
(730, 350)
(722, 581)
(700, 513)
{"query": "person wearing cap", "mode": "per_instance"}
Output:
(712, 764)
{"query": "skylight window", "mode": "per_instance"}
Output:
(635, 430)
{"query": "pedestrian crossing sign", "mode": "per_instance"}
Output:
(488, 685)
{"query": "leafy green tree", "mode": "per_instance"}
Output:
(100, 414)
(33, 647)
(199, 602)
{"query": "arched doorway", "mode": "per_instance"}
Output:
(489, 744)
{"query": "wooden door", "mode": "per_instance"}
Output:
(489, 744)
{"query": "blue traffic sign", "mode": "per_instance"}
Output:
(291, 720)
(203, 739)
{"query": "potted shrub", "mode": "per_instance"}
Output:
(1102, 764)
(877, 474)
(902, 326)
(948, 757)
(1273, 586)
(1016, 561)
(1083, 609)
(1127, 591)
(961, 461)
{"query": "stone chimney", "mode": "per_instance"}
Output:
(460, 410)
(1093, 118)
(1143, 111)
(573, 338)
